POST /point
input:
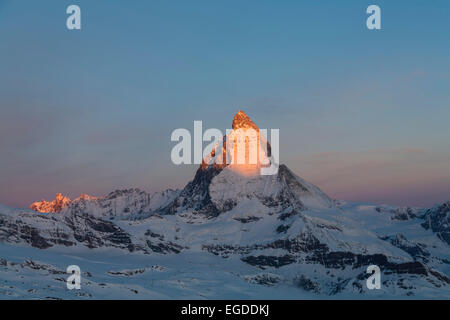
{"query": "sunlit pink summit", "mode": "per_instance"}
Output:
(242, 121)
(58, 204)
(244, 149)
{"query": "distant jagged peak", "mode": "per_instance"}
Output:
(125, 192)
(59, 203)
(86, 197)
(56, 205)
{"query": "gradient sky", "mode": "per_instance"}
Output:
(362, 114)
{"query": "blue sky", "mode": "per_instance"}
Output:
(363, 114)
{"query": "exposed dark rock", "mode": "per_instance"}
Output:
(95, 233)
(338, 287)
(401, 214)
(357, 286)
(195, 195)
(282, 228)
(264, 279)
(304, 243)
(44, 267)
(32, 236)
(164, 247)
(306, 284)
(269, 261)
(151, 234)
(248, 219)
(225, 250)
(287, 215)
(438, 220)
(416, 250)
(127, 273)
(440, 276)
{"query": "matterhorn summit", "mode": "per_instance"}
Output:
(244, 149)
(242, 121)
(232, 172)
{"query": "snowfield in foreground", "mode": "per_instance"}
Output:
(241, 254)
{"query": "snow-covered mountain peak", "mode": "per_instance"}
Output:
(231, 174)
(119, 204)
(56, 205)
(243, 149)
(86, 197)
